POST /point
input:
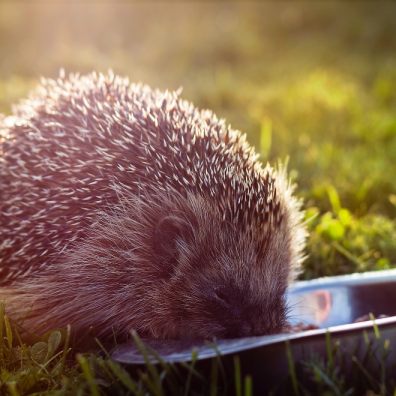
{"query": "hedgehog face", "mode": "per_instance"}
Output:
(220, 279)
(170, 268)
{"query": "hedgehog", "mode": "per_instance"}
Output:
(127, 208)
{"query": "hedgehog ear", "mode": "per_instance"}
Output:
(167, 231)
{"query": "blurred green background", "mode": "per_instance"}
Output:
(312, 81)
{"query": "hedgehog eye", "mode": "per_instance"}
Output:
(168, 230)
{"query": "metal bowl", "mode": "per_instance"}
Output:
(332, 304)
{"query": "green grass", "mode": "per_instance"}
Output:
(312, 82)
(50, 367)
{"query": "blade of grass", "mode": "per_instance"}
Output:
(348, 255)
(194, 357)
(329, 350)
(191, 367)
(237, 376)
(214, 378)
(86, 369)
(372, 380)
(375, 326)
(8, 331)
(12, 388)
(124, 377)
(168, 368)
(248, 388)
(156, 383)
(292, 369)
(220, 365)
(383, 364)
(148, 382)
(103, 349)
(325, 378)
(66, 349)
(2, 313)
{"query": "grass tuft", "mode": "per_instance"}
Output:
(315, 83)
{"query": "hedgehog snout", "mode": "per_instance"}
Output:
(248, 322)
(243, 316)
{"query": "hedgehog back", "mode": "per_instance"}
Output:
(77, 142)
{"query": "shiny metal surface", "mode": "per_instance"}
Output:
(333, 303)
(340, 300)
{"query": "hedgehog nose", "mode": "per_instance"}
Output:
(238, 317)
(240, 329)
(246, 329)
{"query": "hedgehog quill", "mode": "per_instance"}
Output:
(124, 207)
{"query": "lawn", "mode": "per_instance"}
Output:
(311, 83)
